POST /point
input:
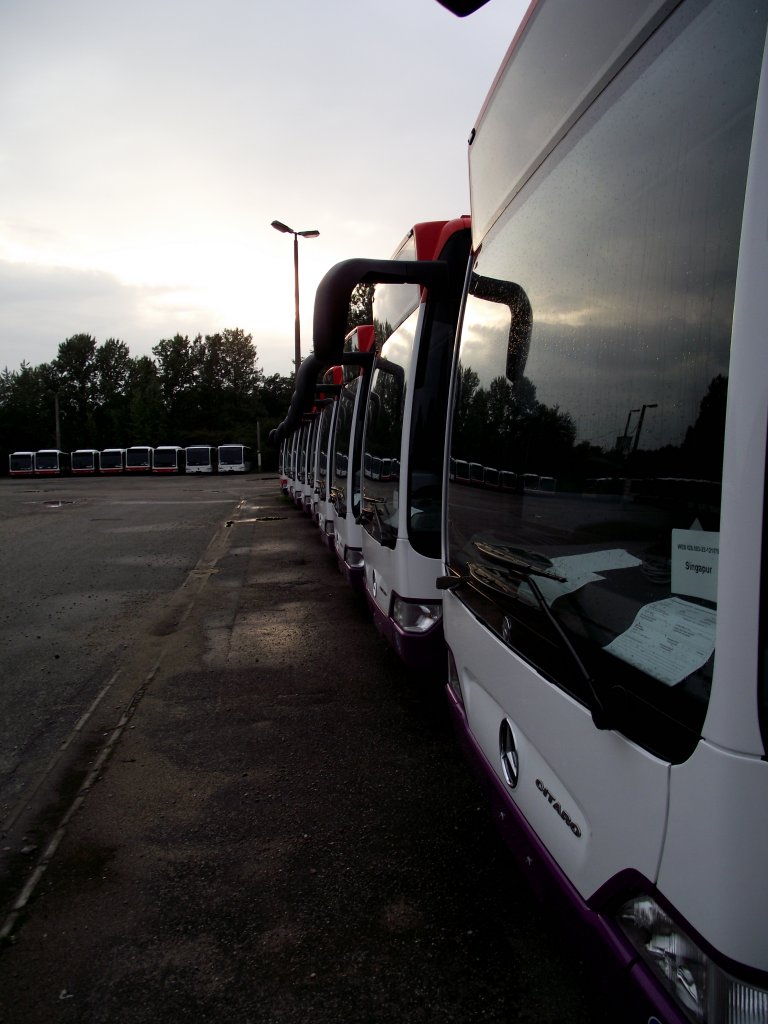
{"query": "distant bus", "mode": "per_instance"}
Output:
(112, 460)
(51, 462)
(85, 461)
(283, 465)
(345, 456)
(234, 458)
(201, 458)
(323, 510)
(21, 463)
(169, 458)
(138, 459)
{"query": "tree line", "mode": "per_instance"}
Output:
(205, 389)
(208, 389)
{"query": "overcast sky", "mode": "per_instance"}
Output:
(145, 149)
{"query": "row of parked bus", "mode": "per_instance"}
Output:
(598, 614)
(164, 459)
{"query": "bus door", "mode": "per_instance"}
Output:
(608, 655)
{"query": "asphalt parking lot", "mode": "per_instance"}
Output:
(270, 821)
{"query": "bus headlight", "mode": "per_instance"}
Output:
(354, 558)
(709, 994)
(416, 617)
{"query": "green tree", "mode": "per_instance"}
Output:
(147, 417)
(113, 370)
(74, 369)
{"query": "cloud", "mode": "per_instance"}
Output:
(41, 306)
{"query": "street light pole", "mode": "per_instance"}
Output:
(279, 226)
(652, 405)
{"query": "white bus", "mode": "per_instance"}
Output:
(609, 669)
(169, 459)
(234, 458)
(112, 460)
(323, 510)
(51, 462)
(85, 462)
(403, 445)
(138, 459)
(21, 463)
(201, 458)
(345, 454)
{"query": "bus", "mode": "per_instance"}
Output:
(112, 460)
(282, 465)
(323, 510)
(21, 463)
(345, 454)
(138, 459)
(201, 458)
(84, 462)
(51, 462)
(234, 458)
(305, 481)
(169, 458)
(608, 668)
(403, 445)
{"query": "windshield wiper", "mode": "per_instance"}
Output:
(386, 530)
(504, 583)
(518, 560)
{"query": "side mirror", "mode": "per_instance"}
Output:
(335, 290)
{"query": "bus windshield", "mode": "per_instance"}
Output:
(231, 455)
(165, 457)
(197, 457)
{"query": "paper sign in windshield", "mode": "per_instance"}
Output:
(694, 563)
(668, 640)
(579, 570)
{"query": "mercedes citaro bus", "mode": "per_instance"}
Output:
(403, 445)
(201, 458)
(138, 459)
(169, 458)
(84, 461)
(51, 462)
(234, 458)
(608, 644)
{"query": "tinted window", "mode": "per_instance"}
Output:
(231, 455)
(199, 457)
(139, 457)
(593, 378)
